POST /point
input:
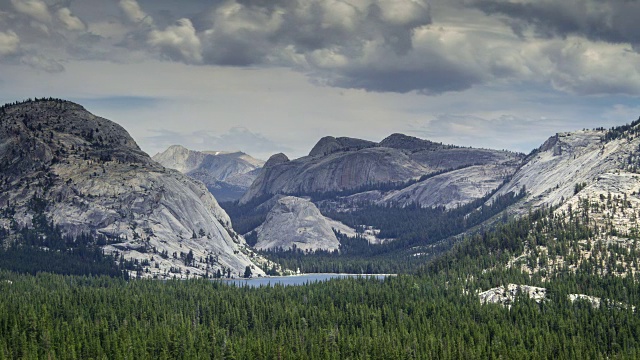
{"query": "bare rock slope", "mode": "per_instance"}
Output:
(296, 222)
(226, 174)
(346, 164)
(93, 178)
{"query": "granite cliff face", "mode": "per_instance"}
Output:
(297, 222)
(346, 164)
(93, 178)
(227, 175)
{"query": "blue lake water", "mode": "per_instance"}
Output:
(296, 279)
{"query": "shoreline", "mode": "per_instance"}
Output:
(304, 274)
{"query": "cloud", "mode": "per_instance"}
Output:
(178, 42)
(612, 21)
(584, 47)
(42, 63)
(134, 13)
(35, 9)
(335, 41)
(9, 42)
(70, 21)
(584, 67)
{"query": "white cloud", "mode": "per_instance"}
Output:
(403, 12)
(134, 13)
(179, 42)
(586, 67)
(9, 43)
(70, 21)
(36, 9)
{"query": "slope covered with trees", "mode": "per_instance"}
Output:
(435, 313)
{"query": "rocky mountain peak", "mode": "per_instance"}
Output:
(44, 119)
(276, 159)
(93, 178)
(177, 149)
(329, 145)
(227, 175)
(405, 142)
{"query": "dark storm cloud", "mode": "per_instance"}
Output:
(435, 78)
(613, 21)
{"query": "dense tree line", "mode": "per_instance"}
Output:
(51, 316)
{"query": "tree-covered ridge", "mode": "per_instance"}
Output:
(403, 317)
(51, 100)
(622, 131)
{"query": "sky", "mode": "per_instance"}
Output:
(275, 76)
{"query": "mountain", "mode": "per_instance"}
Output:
(550, 173)
(591, 180)
(86, 175)
(346, 166)
(294, 222)
(227, 175)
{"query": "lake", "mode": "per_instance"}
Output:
(296, 279)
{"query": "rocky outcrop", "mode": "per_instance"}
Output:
(329, 145)
(297, 222)
(227, 175)
(346, 164)
(507, 295)
(276, 159)
(92, 178)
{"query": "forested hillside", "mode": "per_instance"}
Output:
(434, 314)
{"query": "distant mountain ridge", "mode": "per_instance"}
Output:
(226, 174)
(347, 164)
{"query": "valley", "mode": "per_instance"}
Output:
(490, 247)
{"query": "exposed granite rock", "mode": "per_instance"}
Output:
(329, 145)
(550, 174)
(340, 164)
(453, 188)
(276, 159)
(95, 179)
(506, 296)
(294, 221)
